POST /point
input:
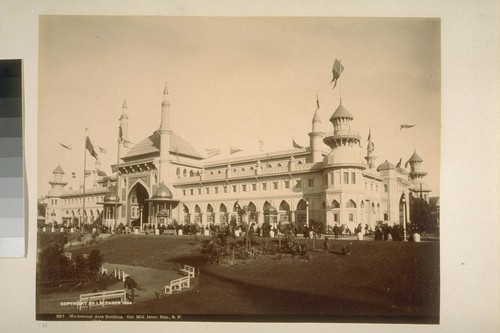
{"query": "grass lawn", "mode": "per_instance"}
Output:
(377, 282)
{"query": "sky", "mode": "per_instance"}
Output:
(233, 81)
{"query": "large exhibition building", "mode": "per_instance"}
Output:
(163, 179)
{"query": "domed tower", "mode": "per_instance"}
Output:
(417, 176)
(316, 135)
(345, 142)
(162, 205)
(111, 202)
(57, 184)
(54, 212)
(165, 134)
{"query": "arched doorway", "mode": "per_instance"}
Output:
(223, 214)
(270, 214)
(138, 208)
(284, 212)
(187, 219)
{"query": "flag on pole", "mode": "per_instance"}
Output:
(261, 145)
(336, 70)
(66, 146)
(102, 150)
(317, 102)
(406, 126)
(87, 173)
(295, 145)
(234, 150)
(90, 148)
(211, 152)
(73, 174)
(399, 163)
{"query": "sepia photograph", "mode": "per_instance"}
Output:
(239, 169)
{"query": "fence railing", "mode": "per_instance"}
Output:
(102, 299)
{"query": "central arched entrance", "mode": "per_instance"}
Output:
(138, 208)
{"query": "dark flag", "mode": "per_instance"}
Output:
(295, 145)
(87, 173)
(406, 126)
(73, 174)
(317, 102)
(399, 163)
(103, 150)
(66, 146)
(90, 148)
(336, 70)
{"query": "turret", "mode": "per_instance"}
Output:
(345, 142)
(416, 175)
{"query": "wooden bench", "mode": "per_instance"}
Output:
(100, 299)
(177, 285)
(104, 270)
(120, 274)
(169, 232)
(189, 270)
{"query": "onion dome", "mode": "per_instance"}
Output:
(111, 197)
(341, 112)
(162, 192)
(385, 166)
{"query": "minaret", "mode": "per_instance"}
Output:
(123, 136)
(316, 136)
(416, 175)
(165, 133)
(369, 150)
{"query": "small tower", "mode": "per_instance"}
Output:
(417, 176)
(345, 142)
(54, 213)
(370, 148)
(57, 184)
(165, 133)
(123, 136)
(316, 136)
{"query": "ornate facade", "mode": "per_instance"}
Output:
(163, 179)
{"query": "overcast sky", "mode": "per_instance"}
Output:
(235, 80)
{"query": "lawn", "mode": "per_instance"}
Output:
(377, 282)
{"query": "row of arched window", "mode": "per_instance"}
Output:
(284, 206)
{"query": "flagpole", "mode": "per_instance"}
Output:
(84, 167)
(340, 77)
(117, 180)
